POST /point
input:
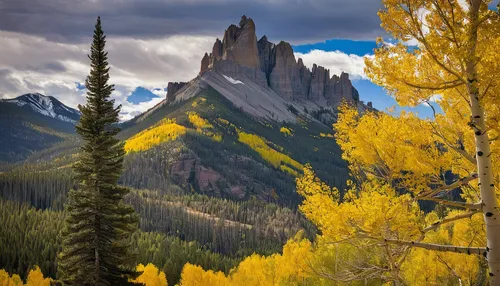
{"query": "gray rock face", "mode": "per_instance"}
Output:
(239, 54)
(267, 56)
(205, 62)
(173, 88)
(284, 76)
(305, 78)
(319, 80)
(242, 44)
(217, 49)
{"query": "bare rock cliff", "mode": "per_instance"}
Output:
(239, 54)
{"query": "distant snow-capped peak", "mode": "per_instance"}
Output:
(46, 105)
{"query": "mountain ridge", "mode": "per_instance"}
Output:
(46, 105)
(33, 122)
(240, 56)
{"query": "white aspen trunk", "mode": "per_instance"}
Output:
(483, 152)
(487, 188)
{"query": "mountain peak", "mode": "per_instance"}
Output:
(245, 21)
(47, 106)
(264, 79)
(239, 55)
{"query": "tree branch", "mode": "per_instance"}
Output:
(448, 220)
(476, 206)
(454, 185)
(443, 86)
(460, 151)
(439, 247)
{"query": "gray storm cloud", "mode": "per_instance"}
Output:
(296, 21)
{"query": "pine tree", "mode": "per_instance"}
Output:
(96, 248)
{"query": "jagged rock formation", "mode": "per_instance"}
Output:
(173, 88)
(266, 56)
(239, 54)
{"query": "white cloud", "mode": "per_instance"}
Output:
(34, 64)
(337, 62)
(159, 92)
(436, 98)
(130, 110)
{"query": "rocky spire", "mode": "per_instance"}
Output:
(266, 56)
(217, 49)
(319, 79)
(239, 54)
(204, 64)
(173, 88)
(240, 44)
(284, 75)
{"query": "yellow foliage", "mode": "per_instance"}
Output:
(286, 131)
(449, 66)
(326, 135)
(286, 169)
(403, 149)
(276, 159)
(199, 122)
(424, 267)
(217, 137)
(223, 121)
(35, 278)
(151, 276)
(374, 211)
(363, 234)
(290, 268)
(166, 130)
(456, 65)
(193, 275)
(203, 126)
(6, 280)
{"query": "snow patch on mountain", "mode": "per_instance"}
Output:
(232, 80)
(46, 105)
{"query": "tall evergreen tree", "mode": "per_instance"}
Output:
(96, 237)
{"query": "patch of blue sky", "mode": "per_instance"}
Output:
(141, 94)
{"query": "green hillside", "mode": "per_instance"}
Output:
(237, 152)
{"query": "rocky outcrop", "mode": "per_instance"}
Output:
(284, 76)
(239, 54)
(241, 46)
(205, 62)
(305, 78)
(217, 49)
(207, 179)
(173, 88)
(320, 78)
(266, 56)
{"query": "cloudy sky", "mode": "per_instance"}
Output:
(44, 43)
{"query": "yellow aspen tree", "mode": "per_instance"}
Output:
(193, 275)
(364, 236)
(289, 268)
(35, 278)
(150, 276)
(455, 62)
(6, 280)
